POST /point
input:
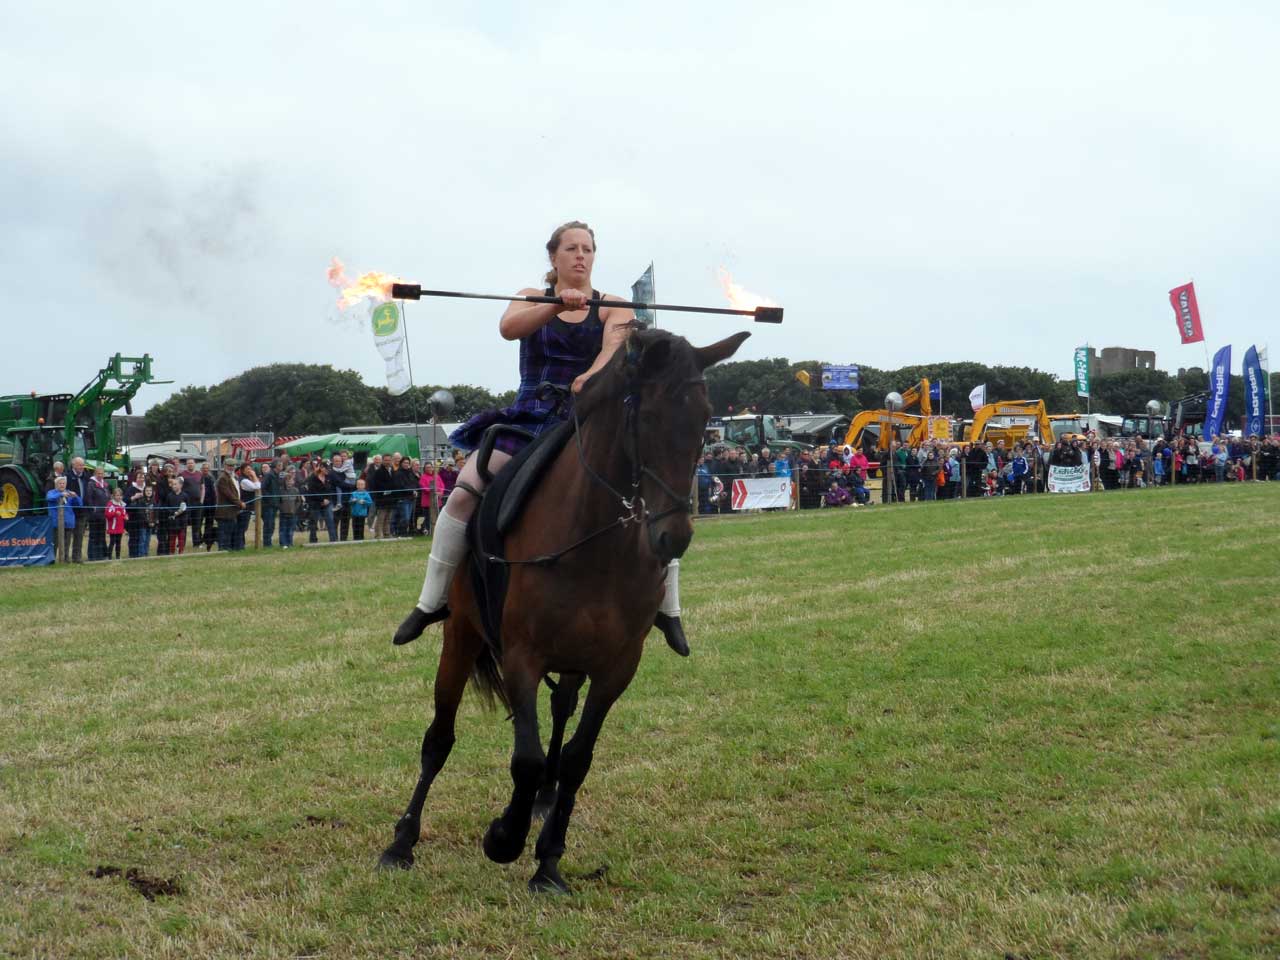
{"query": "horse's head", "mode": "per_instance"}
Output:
(659, 379)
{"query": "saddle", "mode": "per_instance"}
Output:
(500, 507)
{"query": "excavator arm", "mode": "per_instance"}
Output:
(918, 396)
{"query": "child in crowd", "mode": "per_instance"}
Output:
(116, 514)
(361, 504)
(991, 483)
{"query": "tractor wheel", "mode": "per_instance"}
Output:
(15, 495)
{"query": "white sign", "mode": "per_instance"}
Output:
(1069, 479)
(761, 494)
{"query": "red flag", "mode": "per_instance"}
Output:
(1187, 313)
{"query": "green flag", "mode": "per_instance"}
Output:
(1082, 371)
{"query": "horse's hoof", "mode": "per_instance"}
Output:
(673, 630)
(548, 880)
(544, 802)
(501, 847)
(391, 860)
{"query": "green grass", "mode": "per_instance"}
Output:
(1039, 727)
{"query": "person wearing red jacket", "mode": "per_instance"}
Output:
(116, 514)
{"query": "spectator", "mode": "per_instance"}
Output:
(342, 481)
(116, 515)
(208, 500)
(62, 500)
(379, 487)
(250, 490)
(97, 497)
(228, 506)
(270, 502)
(836, 495)
(1018, 471)
(319, 493)
(290, 498)
(404, 486)
(193, 487)
(929, 474)
(58, 471)
(78, 481)
(173, 505)
(427, 483)
(138, 523)
(361, 507)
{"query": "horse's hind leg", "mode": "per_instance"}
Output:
(574, 764)
(504, 840)
(564, 701)
(457, 657)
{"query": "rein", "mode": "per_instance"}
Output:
(637, 510)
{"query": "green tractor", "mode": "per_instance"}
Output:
(37, 429)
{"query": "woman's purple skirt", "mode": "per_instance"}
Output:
(468, 435)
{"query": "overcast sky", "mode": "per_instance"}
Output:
(914, 182)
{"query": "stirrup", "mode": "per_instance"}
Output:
(417, 621)
(673, 630)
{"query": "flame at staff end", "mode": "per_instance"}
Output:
(739, 297)
(375, 286)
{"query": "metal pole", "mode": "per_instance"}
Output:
(59, 550)
(412, 291)
(434, 508)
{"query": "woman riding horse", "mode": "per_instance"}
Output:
(564, 346)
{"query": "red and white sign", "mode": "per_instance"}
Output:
(1187, 313)
(761, 494)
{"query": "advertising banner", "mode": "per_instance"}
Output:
(1219, 387)
(1082, 371)
(761, 494)
(1255, 394)
(1187, 313)
(1069, 479)
(26, 541)
(839, 376)
(978, 397)
(388, 335)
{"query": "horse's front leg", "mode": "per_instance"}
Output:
(574, 764)
(504, 840)
(456, 660)
(564, 701)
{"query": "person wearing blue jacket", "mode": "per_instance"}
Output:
(62, 537)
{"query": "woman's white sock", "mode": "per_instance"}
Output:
(671, 599)
(448, 547)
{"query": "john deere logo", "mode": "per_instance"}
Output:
(386, 319)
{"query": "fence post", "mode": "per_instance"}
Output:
(257, 521)
(59, 550)
(964, 477)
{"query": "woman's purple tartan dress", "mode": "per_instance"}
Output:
(557, 353)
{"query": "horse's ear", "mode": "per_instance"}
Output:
(722, 350)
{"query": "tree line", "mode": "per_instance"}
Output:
(300, 398)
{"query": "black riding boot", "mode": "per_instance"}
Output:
(417, 621)
(673, 630)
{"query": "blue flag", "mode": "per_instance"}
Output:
(935, 392)
(1219, 387)
(1255, 393)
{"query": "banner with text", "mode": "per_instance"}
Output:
(1082, 371)
(26, 541)
(1187, 313)
(1069, 479)
(761, 494)
(388, 335)
(839, 376)
(1219, 388)
(1255, 394)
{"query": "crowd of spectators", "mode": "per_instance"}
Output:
(175, 507)
(836, 475)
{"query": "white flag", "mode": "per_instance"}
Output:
(978, 397)
(1262, 360)
(388, 335)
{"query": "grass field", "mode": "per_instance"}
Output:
(1038, 727)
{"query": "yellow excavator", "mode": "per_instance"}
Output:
(876, 429)
(1012, 421)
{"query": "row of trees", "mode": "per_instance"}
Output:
(297, 398)
(300, 398)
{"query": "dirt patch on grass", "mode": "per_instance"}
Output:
(149, 887)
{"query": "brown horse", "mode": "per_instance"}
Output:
(619, 495)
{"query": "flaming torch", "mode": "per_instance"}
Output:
(373, 286)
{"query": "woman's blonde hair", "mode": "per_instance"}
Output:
(554, 244)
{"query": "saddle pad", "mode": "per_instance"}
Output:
(499, 509)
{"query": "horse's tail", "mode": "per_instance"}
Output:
(486, 678)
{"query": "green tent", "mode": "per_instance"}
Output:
(367, 443)
(305, 446)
